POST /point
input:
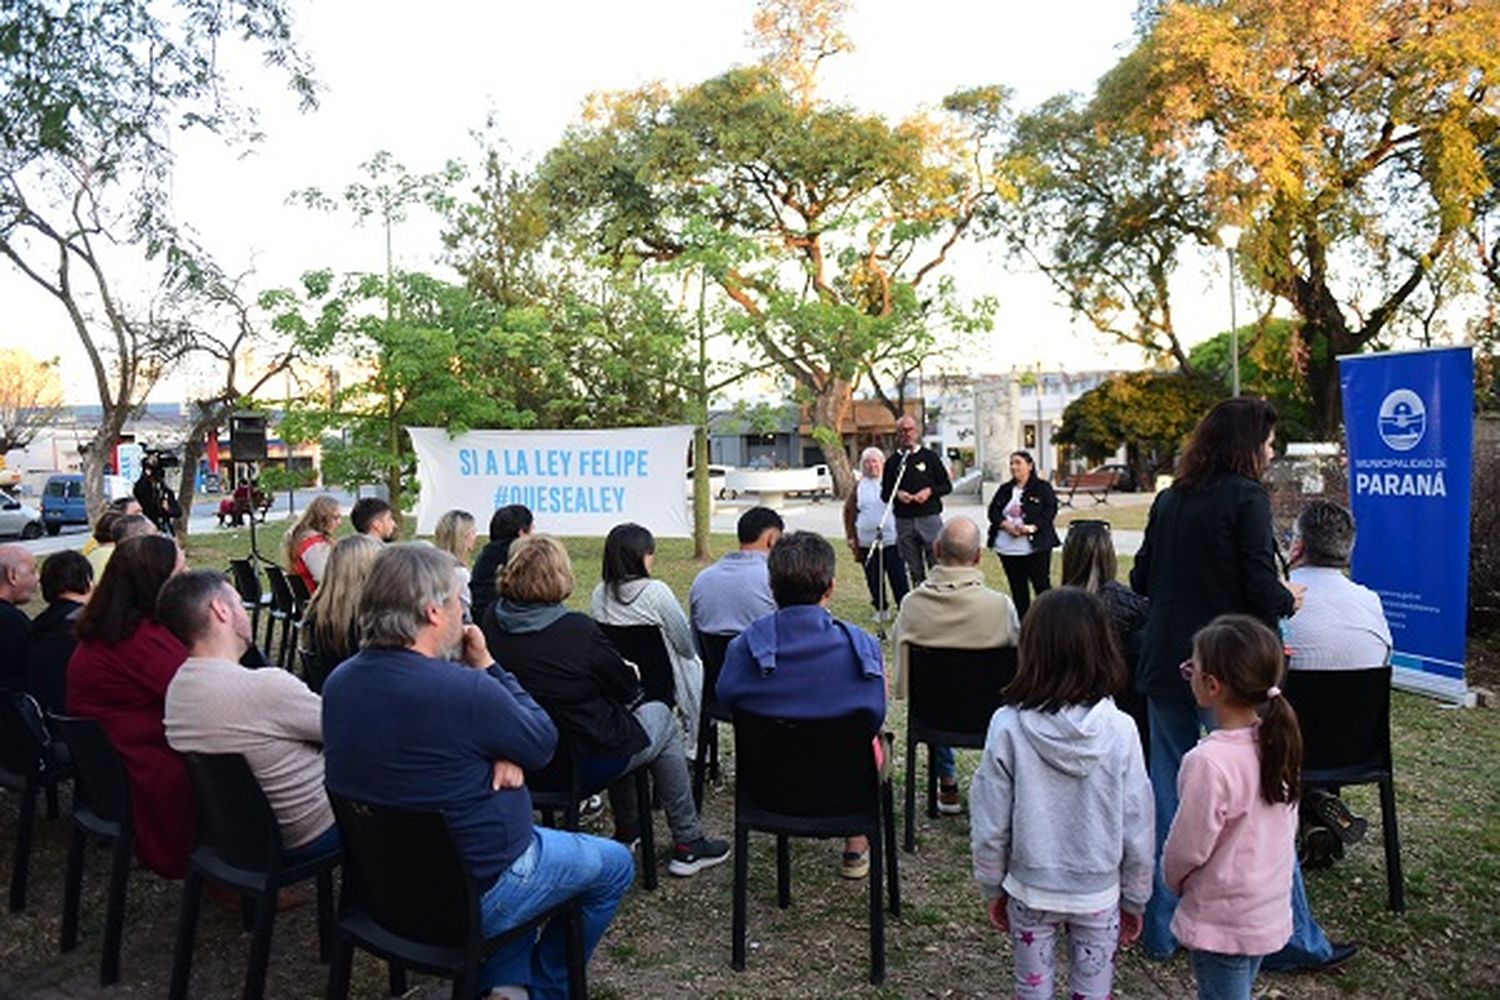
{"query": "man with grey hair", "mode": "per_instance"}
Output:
(1341, 625)
(953, 609)
(918, 479)
(18, 583)
(423, 718)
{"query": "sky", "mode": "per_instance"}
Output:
(420, 81)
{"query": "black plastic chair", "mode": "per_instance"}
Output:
(247, 583)
(811, 778)
(31, 764)
(284, 610)
(1345, 716)
(644, 646)
(555, 790)
(951, 695)
(712, 646)
(301, 598)
(239, 845)
(407, 897)
(101, 808)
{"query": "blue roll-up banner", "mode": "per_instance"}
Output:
(1409, 422)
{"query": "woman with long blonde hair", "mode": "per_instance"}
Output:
(310, 541)
(456, 534)
(330, 626)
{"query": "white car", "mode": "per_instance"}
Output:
(716, 474)
(17, 518)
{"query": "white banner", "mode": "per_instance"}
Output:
(575, 482)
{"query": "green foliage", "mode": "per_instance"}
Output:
(1269, 368)
(1150, 413)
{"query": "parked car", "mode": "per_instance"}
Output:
(17, 518)
(1124, 476)
(716, 474)
(62, 502)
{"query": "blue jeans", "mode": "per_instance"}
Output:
(556, 867)
(1175, 728)
(943, 763)
(1224, 977)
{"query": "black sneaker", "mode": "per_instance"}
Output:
(690, 859)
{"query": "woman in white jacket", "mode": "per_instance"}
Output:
(1062, 817)
(627, 595)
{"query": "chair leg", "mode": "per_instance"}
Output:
(578, 984)
(783, 871)
(325, 915)
(52, 804)
(465, 980)
(114, 914)
(187, 933)
(21, 864)
(932, 810)
(877, 914)
(72, 890)
(396, 974)
(648, 827)
(260, 943)
(741, 888)
(700, 760)
(339, 968)
(1395, 887)
(911, 793)
(713, 753)
(888, 820)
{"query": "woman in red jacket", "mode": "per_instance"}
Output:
(118, 676)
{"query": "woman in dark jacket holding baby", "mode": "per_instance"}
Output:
(1021, 531)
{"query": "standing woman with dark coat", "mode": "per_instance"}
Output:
(1209, 551)
(1021, 530)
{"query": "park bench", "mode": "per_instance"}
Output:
(1094, 484)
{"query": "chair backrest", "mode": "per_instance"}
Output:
(712, 645)
(101, 781)
(23, 734)
(300, 594)
(956, 691)
(246, 580)
(234, 817)
(1345, 716)
(403, 870)
(281, 591)
(644, 646)
(812, 768)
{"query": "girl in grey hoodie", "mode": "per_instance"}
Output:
(1061, 809)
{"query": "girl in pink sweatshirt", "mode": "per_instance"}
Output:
(1230, 852)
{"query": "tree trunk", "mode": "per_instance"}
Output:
(702, 502)
(96, 457)
(187, 489)
(830, 407)
(1325, 335)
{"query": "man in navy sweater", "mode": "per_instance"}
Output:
(423, 718)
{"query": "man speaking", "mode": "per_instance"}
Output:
(919, 480)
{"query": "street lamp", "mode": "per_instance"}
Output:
(1229, 237)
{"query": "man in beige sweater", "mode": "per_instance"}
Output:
(214, 705)
(952, 608)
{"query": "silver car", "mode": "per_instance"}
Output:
(17, 518)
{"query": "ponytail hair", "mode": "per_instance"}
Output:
(1249, 660)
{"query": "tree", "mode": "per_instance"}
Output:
(1103, 217)
(30, 397)
(1151, 413)
(822, 225)
(91, 94)
(1350, 136)
(1268, 368)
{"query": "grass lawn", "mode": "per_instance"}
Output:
(675, 942)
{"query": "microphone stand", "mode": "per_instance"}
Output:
(877, 551)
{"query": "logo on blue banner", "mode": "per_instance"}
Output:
(1409, 420)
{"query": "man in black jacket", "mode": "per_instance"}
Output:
(923, 482)
(506, 525)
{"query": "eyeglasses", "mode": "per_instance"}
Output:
(1185, 668)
